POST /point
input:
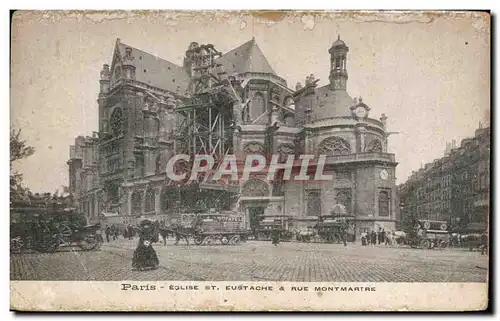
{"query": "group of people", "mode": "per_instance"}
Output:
(373, 238)
(112, 232)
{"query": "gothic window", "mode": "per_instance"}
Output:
(139, 165)
(375, 146)
(344, 197)
(313, 202)
(383, 203)
(118, 73)
(255, 188)
(112, 191)
(155, 127)
(334, 146)
(137, 203)
(146, 126)
(158, 164)
(117, 121)
(92, 208)
(150, 200)
(258, 106)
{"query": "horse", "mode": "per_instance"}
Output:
(178, 230)
(398, 236)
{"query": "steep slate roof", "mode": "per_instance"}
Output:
(157, 72)
(332, 103)
(163, 74)
(246, 58)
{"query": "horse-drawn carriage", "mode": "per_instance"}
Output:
(224, 227)
(273, 224)
(428, 234)
(333, 229)
(49, 228)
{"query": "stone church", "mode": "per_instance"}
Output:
(118, 173)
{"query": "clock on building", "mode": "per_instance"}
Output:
(360, 112)
(384, 174)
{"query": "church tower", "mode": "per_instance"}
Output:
(338, 65)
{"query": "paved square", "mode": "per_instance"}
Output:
(257, 261)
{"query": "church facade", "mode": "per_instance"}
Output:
(118, 174)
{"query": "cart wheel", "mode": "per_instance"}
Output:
(235, 239)
(425, 244)
(50, 247)
(224, 240)
(198, 240)
(208, 240)
(16, 244)
(432, 245)
(88, 243)
(443, 245)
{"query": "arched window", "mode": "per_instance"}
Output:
(334, 146)
(158, 164)
(313, 202)
(112, 192)
(116, 121)
(150, 200)
(118, 73)
(375, 146)
(383, 203)
(155, 127)
(344, 198)
(137, 203)
(257, 106)
(255, 187)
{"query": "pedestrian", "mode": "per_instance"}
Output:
(130, 232)
(374, 238)
(383, 237)
(117, 232)
(343, 235)
(108, 232)
(484, 243)
(112, 231)
(363, 238)
(275, 237)
(389, 237)
(145, 257)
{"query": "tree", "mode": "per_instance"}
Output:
(18, 150)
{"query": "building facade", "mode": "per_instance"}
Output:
(150, 110)
(454, 188)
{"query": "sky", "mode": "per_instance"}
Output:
(429, 73)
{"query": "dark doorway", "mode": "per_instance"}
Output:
(255, 217)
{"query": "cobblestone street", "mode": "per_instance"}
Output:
(257, 261)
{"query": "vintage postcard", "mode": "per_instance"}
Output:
(250, 161)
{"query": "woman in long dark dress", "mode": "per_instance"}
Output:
(145, 257)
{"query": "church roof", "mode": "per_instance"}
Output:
(332, 103)
(157, 72)
(246, 58)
